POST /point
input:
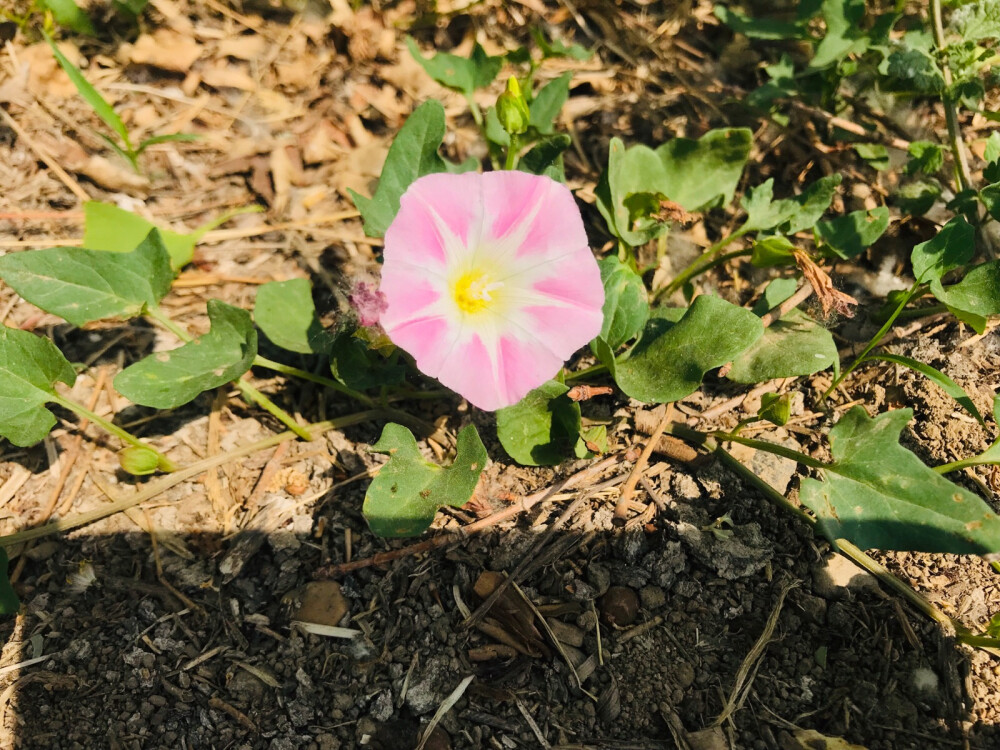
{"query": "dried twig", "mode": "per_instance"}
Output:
(622, 506)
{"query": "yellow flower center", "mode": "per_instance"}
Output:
(473, 291)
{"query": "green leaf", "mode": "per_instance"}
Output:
(789, 215)
(167, 138)
(166, 380)
(760, 28)
(917, 197)
(694, 174)
(462, 74)
(669, 361)
(948, 385)
(285, 312)
(990, 196)
(69, 15)
(950, 248)
(916, 69)
(926, 158)
(107, 227)
(30, 366)
(773, 251)
(849, 236)
(792, 346)
(776, 408)
(844, 32)
(992, 151)
(413, 154)
(811, 204)
(977, 294)
(549, 100)
(354, 364)
(879, 495)
(875, 154)
(86, 285)
(774, 294)
(9, 603)
(556, 48)
(406, 493)
(542, 428)
(626, 303)
(91, 95)
(978, 20)
(545, 157)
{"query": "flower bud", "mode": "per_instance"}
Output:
(512, 109)
(139, 460)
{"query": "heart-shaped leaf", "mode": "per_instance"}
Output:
(670, 360)
(30, 366)
(693, 174)
(626, 303)
(413, 154)
(791, 346)
(975, 297)
(166, 380)
(285, 312)
(950, 248)
(787, 215)
(849, 236)
(462, 74)
(542, 428)
(879, 495)
(406, 493)
(549, 100)
(86, 285)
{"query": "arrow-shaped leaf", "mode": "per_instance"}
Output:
(30, 366)
(406, 493)
(879, 495)
(107, 227)
(668, 363)
(86, 285)
(169, 379)
(285, 312)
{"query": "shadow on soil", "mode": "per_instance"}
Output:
(124, 657)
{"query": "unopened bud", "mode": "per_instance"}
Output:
(139, 460)
(512, 109)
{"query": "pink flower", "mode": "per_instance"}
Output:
(368, 302)
(489, 282)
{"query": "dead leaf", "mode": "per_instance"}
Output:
(245, 47)
(111, 175)
(222, 75)
(512, 614)
(323, 142)
(44, 74)
(829, 296)
(165, 49)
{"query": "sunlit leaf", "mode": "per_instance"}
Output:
(285, 312)
(406, 493)
(877, 494)
(792, 346)
(166, 380)
(462, 74)
(30, 366)
(950, 248)
(849, 236)
(86, 285)
(542, 428)
(626, 303)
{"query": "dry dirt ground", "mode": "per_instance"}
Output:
(171, 626)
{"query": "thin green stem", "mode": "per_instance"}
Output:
(702, 263)
(252, 395)
(511, 161)
(477, 113)
(990, 456)
(165, 464)
(295, 372)
(598, 369)
(914, 290)
(764, 445)
(958, 150)
(157, 314)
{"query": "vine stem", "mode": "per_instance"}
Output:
(875, 340)
(958, 149)
(249, 393)
(704, 262)
(165, 464)
(333, 385)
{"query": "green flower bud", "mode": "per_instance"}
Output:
(776, 408)
(139, 460)
(512, 109)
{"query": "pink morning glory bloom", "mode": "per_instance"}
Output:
(489, 282)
